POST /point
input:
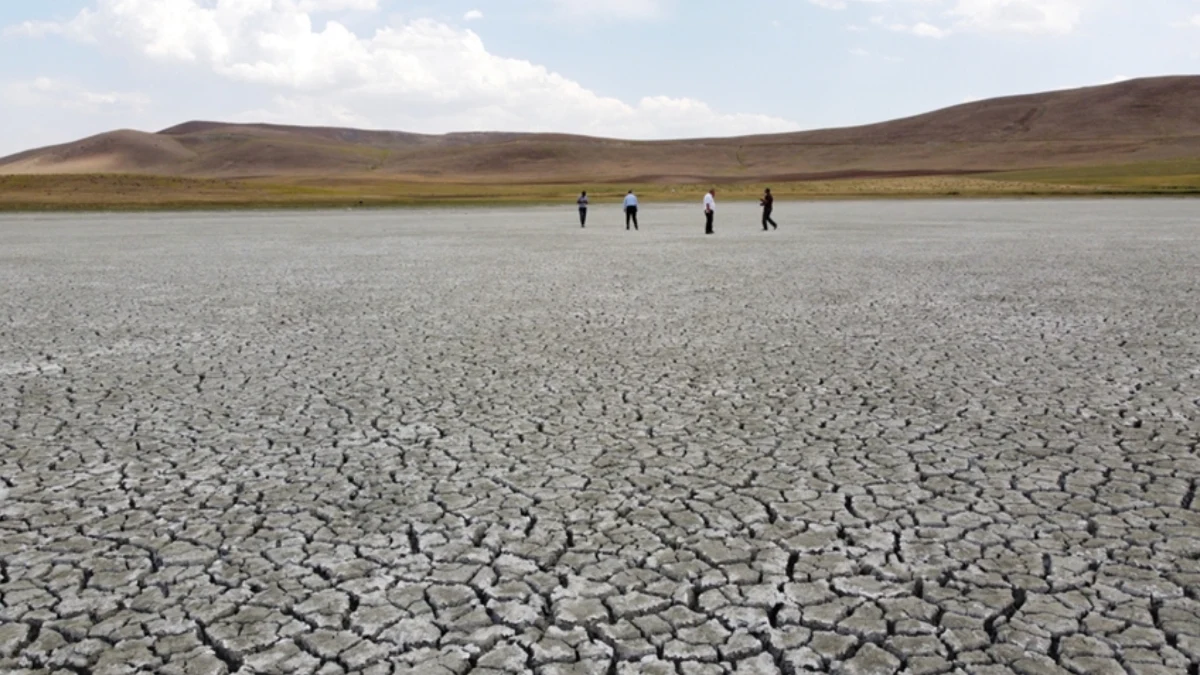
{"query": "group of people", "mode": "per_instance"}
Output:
(767, 202)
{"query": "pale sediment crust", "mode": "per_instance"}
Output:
(920, 438)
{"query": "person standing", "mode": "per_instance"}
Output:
(768, 205)
(631, 209)
(710, 210)
(583, 204)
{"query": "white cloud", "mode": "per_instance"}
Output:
(304, 111)
(46, 91)
(861, 53)
(1020, 16)
(651, 117)
(1190, 22)
(923, 29)
(34, 29)
(473, 15)
(612, 9)
(333, 5)
(920, 29)
(419, 74)
(843, 4)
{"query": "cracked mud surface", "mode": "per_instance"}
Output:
(892, 437)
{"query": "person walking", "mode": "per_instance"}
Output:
(768, 205)
(631, 209)
(710, 210)
(583, 204)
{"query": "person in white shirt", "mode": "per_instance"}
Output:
(583, 204)
(710, 210)
(631, 209)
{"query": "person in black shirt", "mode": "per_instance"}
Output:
(583, 204)
(768, 205)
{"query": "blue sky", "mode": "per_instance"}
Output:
(626, 68)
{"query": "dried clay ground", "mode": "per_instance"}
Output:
(951, 437)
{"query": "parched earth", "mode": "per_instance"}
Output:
(954, 437)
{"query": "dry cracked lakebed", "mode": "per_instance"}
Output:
(892, 437)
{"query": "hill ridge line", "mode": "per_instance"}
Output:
(1149, 119)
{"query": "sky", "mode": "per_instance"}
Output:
(621, 68)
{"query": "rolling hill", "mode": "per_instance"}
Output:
(1135, 121)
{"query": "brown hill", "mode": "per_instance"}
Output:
(122, 151)
(1133, 121)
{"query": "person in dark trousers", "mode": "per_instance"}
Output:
(710, 210)
(583, 204)
(768, 205)
(631, 209)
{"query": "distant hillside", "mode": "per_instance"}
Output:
(1134, 121)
